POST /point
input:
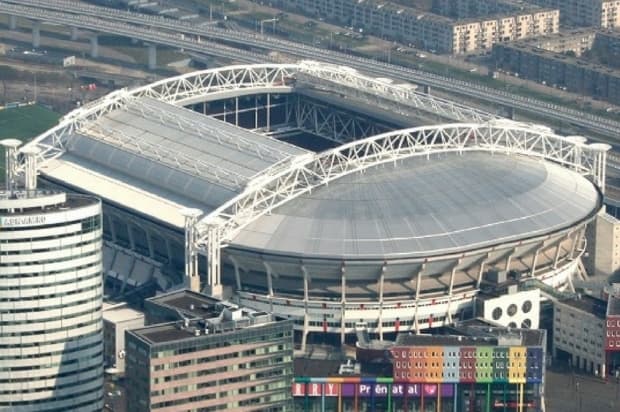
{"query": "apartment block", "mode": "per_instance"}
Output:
(596, 13)
(557, 67)
(434, 31)
(221, 357)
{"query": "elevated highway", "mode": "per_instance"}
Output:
(175, 33)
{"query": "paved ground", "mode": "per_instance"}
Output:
(574, 392)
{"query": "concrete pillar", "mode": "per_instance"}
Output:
(132, 242)
(12, 22)
(152, 54)
(426, 89)
(94, 47)
(304, 337)
(343, 296)
(74, 33)
(36, 34)
(450, 289)
(417, 297)
(237, 274)
(381, 283)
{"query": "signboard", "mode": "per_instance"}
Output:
(23, 220)
(367, 390)
(68, 61)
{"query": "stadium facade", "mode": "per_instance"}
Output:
(51, 291)
(394, 230)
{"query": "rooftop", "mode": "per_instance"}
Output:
(476, 332)
(425, 206)
(613, 305)
(191, 304)
(120, 313)
(204, 328)
(589, 304)
(200, 315)
(158, 158)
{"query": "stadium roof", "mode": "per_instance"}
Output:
(426, 207)
(161, 158)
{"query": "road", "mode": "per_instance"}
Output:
(161, 30)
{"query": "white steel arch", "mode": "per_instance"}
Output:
(230, 81)
(293, 177)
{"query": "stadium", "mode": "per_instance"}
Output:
(303, 190)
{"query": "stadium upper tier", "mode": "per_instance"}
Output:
(424, 207)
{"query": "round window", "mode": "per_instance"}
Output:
(497, 313)
(526, 324)
(527, 306)
(512, 325)
(512, 310)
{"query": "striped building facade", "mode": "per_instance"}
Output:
(487, 370)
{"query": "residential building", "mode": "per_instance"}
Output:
(116, 320)
(433, 31)
(50, 295)
(560, 68)
(596, 13)
(228, 358)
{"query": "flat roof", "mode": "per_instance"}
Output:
(448, 203)
(120, 313)
(613, 305)
(191, 304)
(589, 304)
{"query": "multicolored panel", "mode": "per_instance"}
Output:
(517, 364)
(534, 365)
(434, 364)
(500, 364)
(467, 364)
(484, 364)
(451, 358)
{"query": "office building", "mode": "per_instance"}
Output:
(229, 358)
(117, 318)
(50, 295)
(579, 333)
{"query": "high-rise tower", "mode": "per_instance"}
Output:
(51, 289)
